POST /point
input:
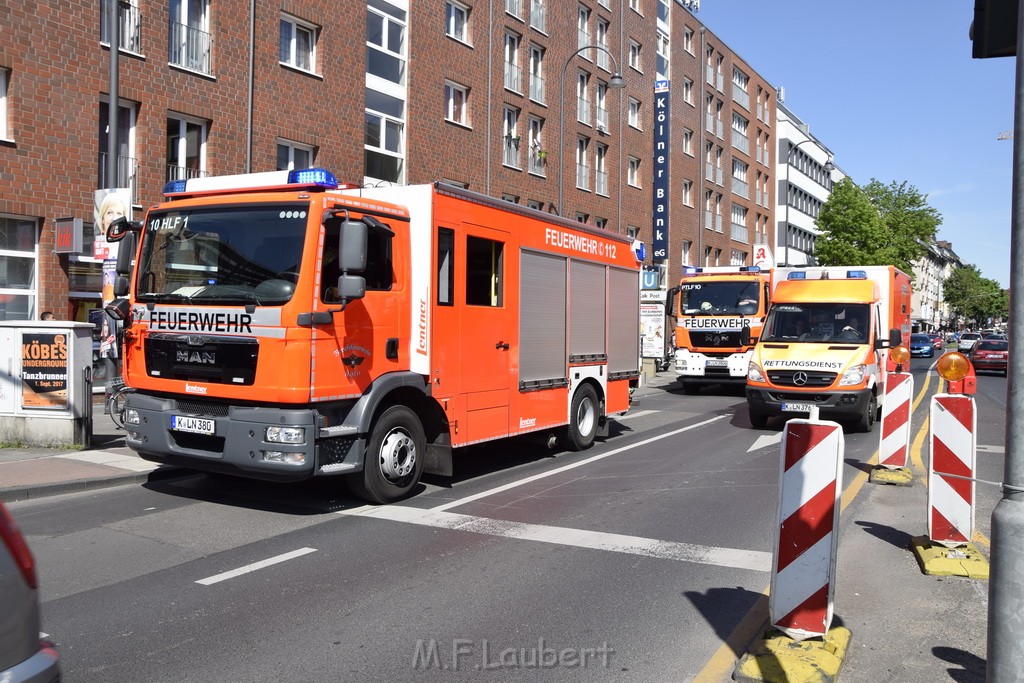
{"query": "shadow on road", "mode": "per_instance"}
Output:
(719, 606)
(893, 536)
(972, 667)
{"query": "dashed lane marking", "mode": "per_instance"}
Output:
(256, 565)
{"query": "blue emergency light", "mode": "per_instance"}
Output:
(798, 275)
(302, 177)
(857, 274)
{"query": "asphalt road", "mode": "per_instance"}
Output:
(634, 561)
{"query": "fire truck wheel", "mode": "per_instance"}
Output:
(583, 418)
(867, 418)
(394, 457)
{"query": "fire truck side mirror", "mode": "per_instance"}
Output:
(351, 287)
(895, 338)
(352, 245)
(126, 255)
(747, 339)
(670, 301)
(121, 226)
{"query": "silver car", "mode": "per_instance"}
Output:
(24, 657)
(967, 341)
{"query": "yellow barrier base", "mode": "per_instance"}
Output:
(938, 560)
(780, 659)
(901, 476)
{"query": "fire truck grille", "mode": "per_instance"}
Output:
(713, 339)
(202, 358)
(801, 378)
(203, 408)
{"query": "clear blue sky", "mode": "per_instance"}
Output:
(891, 88)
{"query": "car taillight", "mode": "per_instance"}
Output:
(15, 542)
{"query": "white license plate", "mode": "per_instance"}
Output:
(195, 425)
(797, 407)
(716, 363)
(998, 356)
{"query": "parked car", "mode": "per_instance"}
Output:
(921, 346)
(937, 340)
(991, 354)
(23, 655)
(967, 340)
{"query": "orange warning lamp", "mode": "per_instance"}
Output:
(899, 355)
(958, 371)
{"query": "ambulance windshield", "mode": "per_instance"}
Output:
(816, 323)
(720, 297)
(222, 255)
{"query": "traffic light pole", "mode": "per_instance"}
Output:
(1006, 584)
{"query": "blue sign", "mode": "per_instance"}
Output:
(659, 242)
(649, 279)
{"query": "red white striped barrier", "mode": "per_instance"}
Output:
(954, 443)
(894, 437)
(803, 571)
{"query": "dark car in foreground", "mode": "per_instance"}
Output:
(921, 346)
(991, 355)
(24, 657)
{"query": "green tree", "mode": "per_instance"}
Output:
(875, 225)
(973, 297)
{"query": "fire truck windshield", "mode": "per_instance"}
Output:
(222, 255)
(720, 297)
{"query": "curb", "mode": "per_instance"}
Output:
(34, 491)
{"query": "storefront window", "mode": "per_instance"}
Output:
(18, 236)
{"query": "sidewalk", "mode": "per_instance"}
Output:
(37, 472)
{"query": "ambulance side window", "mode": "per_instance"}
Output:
(484, 272)
(445, 267)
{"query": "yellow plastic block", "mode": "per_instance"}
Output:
(780, 659)
(938, 560)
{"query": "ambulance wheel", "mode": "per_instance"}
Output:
(758, 420)
(867, 418)
(583, 417)
(394, 458)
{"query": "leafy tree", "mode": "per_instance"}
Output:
(973, 297)
(875, 225)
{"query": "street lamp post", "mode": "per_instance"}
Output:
(829, 167)
(616, 82)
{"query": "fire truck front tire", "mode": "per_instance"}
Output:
(583, 418)
(394, 458)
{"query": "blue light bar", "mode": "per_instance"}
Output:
(857, 274)
(799, 275)
(175, 186)
(690, 270)
(751, 269)
(320, 177)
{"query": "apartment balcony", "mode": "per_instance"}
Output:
(175, 172)
(538, 15)
(127, 175)
(741, 98)
(537, 88)
(741, 188)
(601, 183)
(512, 76)
(740, 142)
(510, 153)
(583, 110)
(582, 177)
(190, 48)
(740, 233)
(129, 26)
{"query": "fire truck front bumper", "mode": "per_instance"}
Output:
(278, 444)
(718, 368)
(831, 404)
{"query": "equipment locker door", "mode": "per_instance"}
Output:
(486, 335)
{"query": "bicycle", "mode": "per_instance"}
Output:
(116, 403)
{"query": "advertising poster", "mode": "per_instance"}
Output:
(44, 370)
(652, 330)
(109, 204)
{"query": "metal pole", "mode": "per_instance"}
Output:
(1005, 659)
(703, 166)
(114, 35)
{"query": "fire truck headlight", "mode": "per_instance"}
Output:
(754, 373)
(131, 416)
(285, 458)
(296, 435)
(854, 375)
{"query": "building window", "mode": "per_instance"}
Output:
(633, 174)
(738, 258)
(688, 192)
(514, 8)
(688, 40)
(634, 113)
(129, 25)
(298, 44)
(384, 143)
(190, 44)
(634, 55)
(664, 52)
(126, 173)
(293, 155)
(535, 204)
(635, 6)
(186, 148)
(512, 62)
(18, 238)
(582, 99)
(687, 246)
(688, 141)
(601, 107)
(538, 154)
(583, 28)
(632, 232)
(5, 77)
(600, 223)
(688, 91)
(538, 15)
(385, 41)
(582, 217)
(456, 98)
(602, 40)
(600, 172)
(582, 168)
(512, 138)
(537, 73)
(457, 21)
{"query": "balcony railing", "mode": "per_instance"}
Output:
(602, 119)
(740, 188)
(741, 98)
(510, 153)
(582, 176)
(583, 39)
(175, 172)
(583, 110)
(537, 88)
(127, 175)
(740, 233)
(129, 23)
(512, 77)
(190, 48)
(538, 15)
(602, 58)
(537, 162)
(740, 142)
(514, 8)
(601, 183)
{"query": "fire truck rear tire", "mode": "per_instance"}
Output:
(394, 457)
(583, 418)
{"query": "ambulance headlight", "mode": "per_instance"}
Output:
(854, 375)
(754, 372)
(296, 435)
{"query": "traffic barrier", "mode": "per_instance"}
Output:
(894, 438)
(953, 437)
(803, 570)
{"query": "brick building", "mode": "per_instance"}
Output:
(380, 91)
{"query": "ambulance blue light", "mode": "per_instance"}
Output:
(857, 274)
(175, 186)
(313, 176)
(799, 275)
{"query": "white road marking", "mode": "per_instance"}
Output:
(581, 463)
(579, 538)
(766, 440)
(990, 449)
(639, 413)
(125, 462)
(256, 565)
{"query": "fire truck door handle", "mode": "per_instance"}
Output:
(502, 345)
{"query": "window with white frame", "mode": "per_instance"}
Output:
(189, 43)
(510, 130)
(602, 40)
(384, 142)
(537, 73)
(664, 53)
(293, 155)
(582, 98)
(129, 25)
(456, 21)
(126, 171)
(633, 172)
(664, 7)
(688, 91)
(5, 77)
(634, 113)
(582, 217)
(740, 79)
(688, 141)
(582, 167)
(738, 258)
(583, 28)
(634, 55)
(687, 246)
(600, 223)
(514, 8)
(688, 39)
(298, 43)
(688, 192)
(739, 170)
(601, 102)
(512, 71)
(632, 232)
(600, 170)
(535, 204)
(635, 6)
(538, 153)
(385, 41)
(19, 236)
(456, 98)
